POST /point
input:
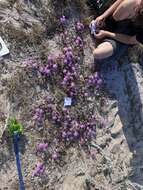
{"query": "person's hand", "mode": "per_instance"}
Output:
(99, 21)
(101, 34)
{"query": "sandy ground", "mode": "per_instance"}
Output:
(118, 144)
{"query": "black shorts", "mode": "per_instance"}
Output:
(118, 48)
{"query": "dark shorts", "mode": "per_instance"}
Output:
(118, 49)
(123, 27)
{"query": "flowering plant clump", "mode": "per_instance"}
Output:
(69, 127)
(50, 67)
(32, 62)
(38, 114)
(77, 123)
(94, 80)
(79, 27)
(41, 147)
(39, 169)
(62, 20)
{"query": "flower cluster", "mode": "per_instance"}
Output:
(38, 114)
(63, 20)
(55, 156)
(69, 128)
(73, 124)
(69, 71)
(31, 62)
(77, 131)
(41, 147)
(39, 169)
(94, 80)
(79, 42)
(50, 67)
(79, 26)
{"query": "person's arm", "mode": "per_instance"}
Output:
(126, 39)
(99, 21)
(112, 8)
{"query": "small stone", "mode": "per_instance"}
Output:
(117, 128)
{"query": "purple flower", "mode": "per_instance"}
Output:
(65, 49)
(55, 156)
(72, 84)
(63, 20)
(54, 117)
(42, 147)
(38, 115)
(76, 134)
(55, 67)
(94, 80)
(41, 69)
(82, 126)
(64, 71)
(86, 94)
(79, 26)
(99, 82)
(66, 78)
(64, 134)
(39, 169)
(65, 61)
(31, 62)
(69, 54)
(50, 58)
(78, 41)
(63, 83)
(44, 70)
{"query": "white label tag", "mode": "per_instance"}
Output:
(67, 101)
(3, 49)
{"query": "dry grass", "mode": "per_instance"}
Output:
(23, 20)
(20, 90)
(135, 52)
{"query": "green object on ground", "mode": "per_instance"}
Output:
(14, 126)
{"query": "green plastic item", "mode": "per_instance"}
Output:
(14, 126)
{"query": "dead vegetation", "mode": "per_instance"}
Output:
(25, 19)
(28, 20)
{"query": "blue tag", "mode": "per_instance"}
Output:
(67, 101)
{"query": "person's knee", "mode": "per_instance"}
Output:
(104, 50)
(97, 54)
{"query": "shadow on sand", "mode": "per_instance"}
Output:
(123, 82)
(8, 155)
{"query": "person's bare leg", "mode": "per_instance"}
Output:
(104, 50)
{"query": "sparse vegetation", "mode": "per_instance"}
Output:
(63, 147)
